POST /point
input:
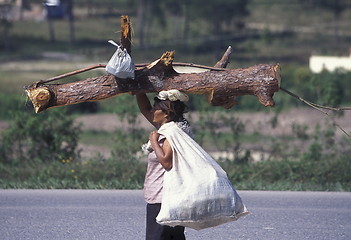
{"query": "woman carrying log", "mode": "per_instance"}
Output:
(160, 157)
(184, 186)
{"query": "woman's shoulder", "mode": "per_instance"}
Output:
(185, 126)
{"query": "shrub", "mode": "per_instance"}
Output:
(323, 165)
(59, 170)
(48, 136)
(11, 103)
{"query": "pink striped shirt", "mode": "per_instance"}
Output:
(153, 183)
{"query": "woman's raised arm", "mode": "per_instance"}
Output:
(145, 107)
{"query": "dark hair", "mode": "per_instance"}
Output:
(174, 109)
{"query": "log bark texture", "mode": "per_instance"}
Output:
(221, 87)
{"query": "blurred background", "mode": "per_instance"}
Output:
(97, 144)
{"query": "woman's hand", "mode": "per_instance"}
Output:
(164, 153)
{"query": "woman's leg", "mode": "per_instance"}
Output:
(153, 229)
(175, 233)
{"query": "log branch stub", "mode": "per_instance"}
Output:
(162, 67)
(225, 59)
(126, 33)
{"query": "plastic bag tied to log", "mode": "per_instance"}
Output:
(121, 64)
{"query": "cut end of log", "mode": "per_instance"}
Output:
(39, 97)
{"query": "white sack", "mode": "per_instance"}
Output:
(196, 191)
(121, 64)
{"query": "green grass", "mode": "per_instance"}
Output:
(104, 174)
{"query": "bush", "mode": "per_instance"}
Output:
(11, 103)
(323, 165)
(123, 170)
(48, 136)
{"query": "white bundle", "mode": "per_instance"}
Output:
(196, 191)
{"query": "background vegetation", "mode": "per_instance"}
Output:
(40, 151)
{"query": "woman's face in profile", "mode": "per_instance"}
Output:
(160, 116)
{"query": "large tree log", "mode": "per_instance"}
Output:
(221, 87)
(219, 84)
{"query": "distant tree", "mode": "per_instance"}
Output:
(141, 8)
(5, 23)
(148, 11)
(177, 11)
(337, 7)
(220, 11)
(220, 14)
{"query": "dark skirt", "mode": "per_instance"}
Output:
(155, 231)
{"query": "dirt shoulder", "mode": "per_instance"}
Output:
(255, 122)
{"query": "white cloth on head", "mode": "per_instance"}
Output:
(196, 191)
(173, 95)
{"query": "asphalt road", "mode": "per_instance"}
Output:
(120, 214)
